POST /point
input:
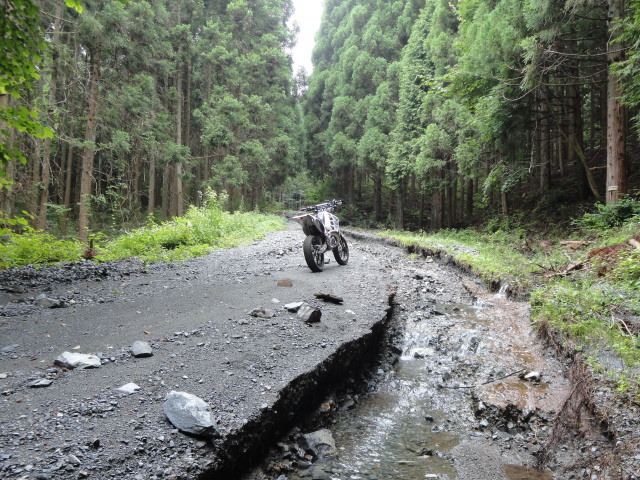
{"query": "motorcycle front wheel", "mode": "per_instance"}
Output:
(312, 253)
(341, 252)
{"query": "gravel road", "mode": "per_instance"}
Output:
(260, 373)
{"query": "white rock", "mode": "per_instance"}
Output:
(189, 413)
(77, 360)
(129, 388)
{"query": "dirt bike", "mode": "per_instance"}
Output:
(322, 229)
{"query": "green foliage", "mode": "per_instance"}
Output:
(586, 311)
(608, 216)
(197, 233)
(17, 250)
(628, 270)
(491, 256)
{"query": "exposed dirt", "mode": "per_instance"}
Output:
(263, 375)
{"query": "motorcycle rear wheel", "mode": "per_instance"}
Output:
(341, 252)
(311, 248)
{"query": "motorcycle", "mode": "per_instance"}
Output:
(322, 229)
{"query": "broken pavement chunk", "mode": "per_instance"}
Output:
(309, 314)
(293, 307)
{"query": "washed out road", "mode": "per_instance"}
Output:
(196, 317)
(218, 329)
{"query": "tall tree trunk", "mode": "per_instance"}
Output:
(88, 151)
(377, 196)
(6, 190)
(616, 113)
(151, 204)
(41, 217)
(178, 199)
(73, 108)
(469, 203)
(545, 144)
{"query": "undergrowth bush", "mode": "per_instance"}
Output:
(610, 216)
(34, 247)
(200, 231)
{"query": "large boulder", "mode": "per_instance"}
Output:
(190, 414)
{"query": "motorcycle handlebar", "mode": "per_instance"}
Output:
(321, 206)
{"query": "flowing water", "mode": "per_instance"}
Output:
(423, 421)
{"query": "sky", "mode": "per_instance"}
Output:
(307, 15)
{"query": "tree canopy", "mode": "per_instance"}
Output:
(422, 114)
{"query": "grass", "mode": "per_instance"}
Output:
(199, 232)
(491, 256)
(595, 308)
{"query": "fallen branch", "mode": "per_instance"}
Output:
(485, 383)
(327, 297)
(561, 273)
(574, 244)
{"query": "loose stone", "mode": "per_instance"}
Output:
(141, 349)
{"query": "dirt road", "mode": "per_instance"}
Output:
(218, 329)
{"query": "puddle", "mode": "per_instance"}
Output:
(514, 472)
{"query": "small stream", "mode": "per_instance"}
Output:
(422, 421)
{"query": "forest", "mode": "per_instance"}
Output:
(421, 114)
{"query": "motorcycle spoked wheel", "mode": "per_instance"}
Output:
(311, 246)
(341, 252)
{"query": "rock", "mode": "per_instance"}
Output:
(261, 312)
(41, 383)
(77, 360)
(309, 314)
(189, 414)
(532, 376)
(285, 282)
(293, 307)
(319, 443)
(129, 388)
(328, 297)
(141, 349)
(45, 302)
(9, 348)
(423, 352)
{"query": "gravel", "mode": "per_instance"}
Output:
(223, 328)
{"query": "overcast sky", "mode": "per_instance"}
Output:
(307, 15)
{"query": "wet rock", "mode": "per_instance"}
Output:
(319, 443)
(309, 314)
(423, 352)
(77, 360)
(141, 349)
(189, 414)
(532, 376)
